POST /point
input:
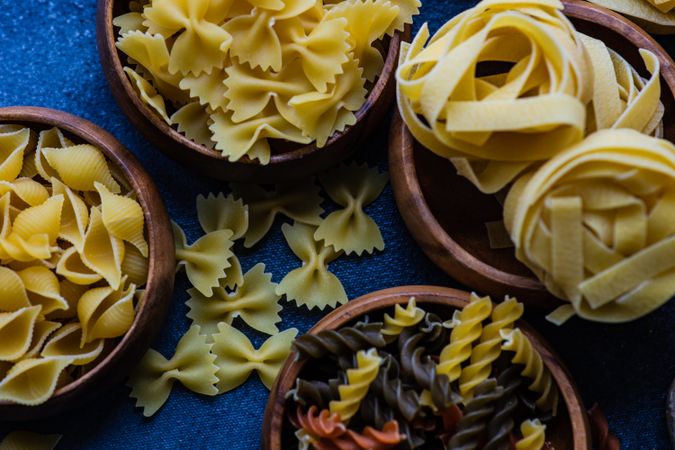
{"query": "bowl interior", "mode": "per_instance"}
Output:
(567, 430)
(457, 221)
(122, 353)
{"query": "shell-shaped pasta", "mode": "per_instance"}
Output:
(192, 120)
(358, 382)
(192, 365)
(27, 192)
(123, 218)
(44, 219)
(202, 44)
(208, 89)
(66, 344)
(25, 250)
(320, 114)
(80, 166)
(71, 292)
(32, 381)
(5, 215)
(403, 318)
(102, 252)
(298, 201)
(106, 313)
(16, 332)
(12, 291)
(367, 21)
(254, 301)
(43, 288)
(41, 332)
(236, 358)
(218, 212)
(311, 284)
(534, 436)
(74, 215)
(21, 440)
(467, 330)
(350, 229)
(148, 94)
(51, 138)
(135, 266)
(206, 260)
(72, 268)
(12, 147)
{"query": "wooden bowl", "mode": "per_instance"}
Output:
(288, 161)
(152, 309)
(670, 413)
(446, 214)
(570, 430)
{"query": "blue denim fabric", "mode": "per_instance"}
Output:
(48, 58)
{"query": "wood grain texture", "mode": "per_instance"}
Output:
(152, 309)
(569, 430)
(446, 214)
(288, 162)
(670, 413)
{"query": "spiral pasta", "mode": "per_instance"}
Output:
(359, 380)
(406, 317)
(501, 425)
(348, 340)
(534, 437)
(600, 240)
(489, 126)
(476, 415)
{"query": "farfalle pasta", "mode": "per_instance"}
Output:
(233, 76)
(68, 221)
(494, 126)
(595, 225)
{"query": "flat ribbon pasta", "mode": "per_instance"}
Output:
(206, 260)
(255, 301)
(23, 440)
(201, 44)
(192, 365)
(350, 229)
(490, 126)
(236, 357)
(595, 224)
(311, 284)
(298, 201)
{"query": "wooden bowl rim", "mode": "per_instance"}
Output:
(161, 260)
(410, 189)
(105, 12)
(274, 412)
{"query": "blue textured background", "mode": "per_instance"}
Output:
(48, 58)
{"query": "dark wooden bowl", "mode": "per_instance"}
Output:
(670, 413)
(570, 430)
(446, 214)
(152, 309)
(287, 162)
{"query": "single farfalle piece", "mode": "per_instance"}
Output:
(16, 331)
(192, 365)
(206, 260)
(105, 312)
(200, 43)
(350, 229)
(526, 355)
(533, 435)
(254, 301)
(255, 39)
(237, 358)
(467, 330)
(595, 225)
(80, 167)
(102, 252)
(193, 121)
(148, 94)
(403, 318)
(123, 218)
(359, 380)
(407, 9)
(298, 201)
(13, 143)
(476, 415)
(492, 127)
(131, 21)
(312, 284)
(32, 381)
(343, 342)
(367, 21)
(489, 346)
(320, 114)
(66, 343)
(220, 212)
(74, 215)
(19, 440)
(208, 88)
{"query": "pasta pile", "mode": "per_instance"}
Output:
(73, 256)
(595, 224)
(414, 381)
(239, 73)
(214, 357)
(655, 16)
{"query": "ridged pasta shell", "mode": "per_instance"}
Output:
(42, 330)
(43, 288)
(66, 344)
(16, 332)
(71, 267)
(123, 218)
(135, 266)
(74, 215)
(80, 166)
(102, 252)
(12, 146)
(41, 219)
(32, 381)
(105, 313)
(26, 190)
(52, 138)
(12, 291)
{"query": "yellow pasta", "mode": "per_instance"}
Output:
(403, 318)
(655, 16)
(148, 94)
(13, 294)
(123, 218)
(106, 313)
(73, 269)
(66, 343)
(489, 126)
(595, 225)
(81, 166)
(359, 380)
(24, 440)
(220, 212)
(534, 436)
(101, 251)
(12, 147)
(32, 381)
(25, 192)
(74, 215)
(192, 120)
(42, 287)
(16, 330)
(42, 330)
